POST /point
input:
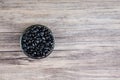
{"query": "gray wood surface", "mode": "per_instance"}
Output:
(87, 36)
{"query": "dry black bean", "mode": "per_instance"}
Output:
(37, 41)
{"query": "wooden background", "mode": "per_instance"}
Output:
(87, 36)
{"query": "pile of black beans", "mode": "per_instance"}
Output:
(37, 41)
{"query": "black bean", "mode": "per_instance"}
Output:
(37, 41)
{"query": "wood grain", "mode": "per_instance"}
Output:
(87, 37)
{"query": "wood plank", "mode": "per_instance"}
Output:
(87, 38)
